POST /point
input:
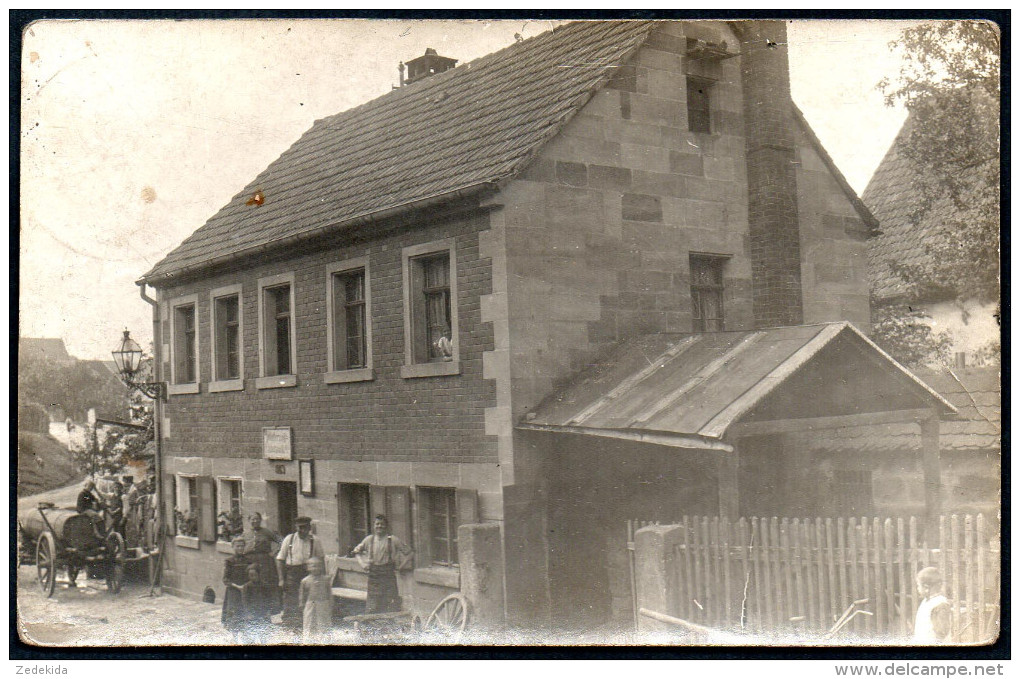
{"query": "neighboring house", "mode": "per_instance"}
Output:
(893, 197)
(876, 470)
(50, 350)
(415, 300)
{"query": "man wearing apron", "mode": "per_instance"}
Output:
(296, 550)
(383, 555)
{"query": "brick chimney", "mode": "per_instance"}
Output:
(771, 174)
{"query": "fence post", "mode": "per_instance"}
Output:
(656, 572)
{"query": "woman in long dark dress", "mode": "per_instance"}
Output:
(261, 550)
(235, 615)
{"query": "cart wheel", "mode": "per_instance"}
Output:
(46, 562)
(449, 617)
(115, 552)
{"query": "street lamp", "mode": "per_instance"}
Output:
(128, 357)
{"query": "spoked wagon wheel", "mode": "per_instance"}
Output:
(449, 617)
(115, 553)
(46, 562)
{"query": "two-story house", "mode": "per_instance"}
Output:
(594, 275)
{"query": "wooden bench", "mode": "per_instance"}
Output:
(348, 593)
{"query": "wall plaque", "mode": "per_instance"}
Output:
(276, 443)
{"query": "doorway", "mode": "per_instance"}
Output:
(283, 505)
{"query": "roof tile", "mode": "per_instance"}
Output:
(472, 125)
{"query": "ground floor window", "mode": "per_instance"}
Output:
(229, 518)
(188, 509)
(438, 507)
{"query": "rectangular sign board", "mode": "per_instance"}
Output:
(276, 443)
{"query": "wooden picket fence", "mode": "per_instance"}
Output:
(798, 576)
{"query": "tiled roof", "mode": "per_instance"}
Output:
(976, 393)
(892, 196)
(44, 348)
(458, 130)
(697, 386)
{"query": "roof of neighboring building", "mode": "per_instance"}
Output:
(50, 349)
(457, 130)
(977, 395)
(454, 133)
(892, 196)
(699, 385)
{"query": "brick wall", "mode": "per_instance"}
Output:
(389, 431)
(771, 174)
(363, 421)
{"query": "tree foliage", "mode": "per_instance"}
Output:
(74, 387)
(113, 447)
(949, 83)
(904, 332)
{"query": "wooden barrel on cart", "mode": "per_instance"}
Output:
(71, 529)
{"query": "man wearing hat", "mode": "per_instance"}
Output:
(295, 552)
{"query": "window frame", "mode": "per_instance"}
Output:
(449, 498)
(183, 483)
(410, 258)
(173, 386)
(705, 84)
(348, 529)
(217, 383)
(720, 289)
(335, 374)
(265, 381)
(223, 500)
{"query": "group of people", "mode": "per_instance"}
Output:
(109, 511)
(294, 581)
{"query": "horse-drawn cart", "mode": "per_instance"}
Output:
(53, 538)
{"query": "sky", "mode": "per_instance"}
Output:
(136, 132)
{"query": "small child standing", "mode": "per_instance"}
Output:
(933, 620)
(316, 599)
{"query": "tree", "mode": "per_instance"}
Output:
(114, 446)
(74, 387)
(903, 331)
(949, 84)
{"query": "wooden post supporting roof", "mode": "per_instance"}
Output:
(729, 488)
(932, 466)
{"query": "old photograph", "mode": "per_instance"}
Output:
(509, 332)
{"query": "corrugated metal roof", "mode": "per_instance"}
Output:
(469, 126)
(699, 385)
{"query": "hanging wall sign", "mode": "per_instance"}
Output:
(276, 443)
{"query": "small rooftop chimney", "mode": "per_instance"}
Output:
(424, 66)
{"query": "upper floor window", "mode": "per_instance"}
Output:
(228, 361)
(707, 293)
(276, 337)
(699, 117)
(349, 312)
(184, 376)
(430, 305)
